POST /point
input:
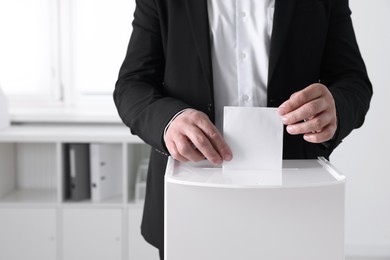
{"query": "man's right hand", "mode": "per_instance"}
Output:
(192, 137)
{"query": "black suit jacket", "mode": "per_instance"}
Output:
(168, 68)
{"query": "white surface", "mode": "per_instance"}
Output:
(4, 116)
(97, 49)
(36, 165)
(28, 173)
(102, 111)
(68, 133)
(363, 156)
(32, 230)
(301, 219)
(29, 195)
(92, 234)
(295, 173)
(255, 136)
(29, 69)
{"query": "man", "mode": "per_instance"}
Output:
(187, 59)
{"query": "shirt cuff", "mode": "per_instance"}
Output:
(173, 118)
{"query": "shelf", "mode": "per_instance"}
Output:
(33, 158)
(136, 204)
(90, 205)
(30, 196)
(38, 170)
(65, 114)
(112, 200)
(68, 133)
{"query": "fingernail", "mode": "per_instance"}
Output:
(281, 110)
(307, 137)
(228, 157)
(218, 162)
(290, 129)
(284, 119)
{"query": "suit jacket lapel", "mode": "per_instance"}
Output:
(282, 17)
(199, 22)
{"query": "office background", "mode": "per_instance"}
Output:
(75, 53)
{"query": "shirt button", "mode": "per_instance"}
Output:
(245, 97)
(242, 55)
(242, 14)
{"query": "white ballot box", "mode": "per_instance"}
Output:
(294, 214)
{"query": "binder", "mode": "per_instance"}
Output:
(77, 172)
(4, 116)
(106, 171)
(141, 179)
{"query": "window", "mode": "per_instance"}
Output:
(62, 51)
(28, 49)
(101, 33)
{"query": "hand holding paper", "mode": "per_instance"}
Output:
(192, 137)
(311, 112)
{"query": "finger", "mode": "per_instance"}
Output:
(300, 98)
(325, 135)
(216, 139)
(308, 110)
(187, 150)
(314, 125)
(171, 146)
(204, 146)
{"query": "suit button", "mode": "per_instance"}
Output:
(273, 102)
(209, 107)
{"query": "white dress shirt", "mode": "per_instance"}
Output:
(240, 32)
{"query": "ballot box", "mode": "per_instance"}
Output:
(296, 213)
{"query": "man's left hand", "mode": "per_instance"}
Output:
(311, 112)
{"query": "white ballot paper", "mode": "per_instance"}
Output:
(255, 136)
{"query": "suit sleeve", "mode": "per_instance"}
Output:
(344, 72)
(139, 91)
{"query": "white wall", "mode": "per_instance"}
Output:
(363, 156)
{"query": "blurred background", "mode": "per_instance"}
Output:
(59, 61)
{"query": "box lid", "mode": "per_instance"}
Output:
(295, 173)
